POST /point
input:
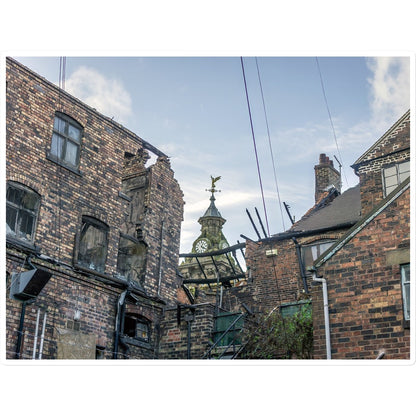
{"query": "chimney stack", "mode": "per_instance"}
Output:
(326, 176)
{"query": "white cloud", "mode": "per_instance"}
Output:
(390, 88)
(106, 95)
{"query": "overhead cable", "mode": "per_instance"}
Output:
(255, 146)
(330, 118)
(270, 145)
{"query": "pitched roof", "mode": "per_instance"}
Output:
(384, 145)
(332, 210)
(212, 210)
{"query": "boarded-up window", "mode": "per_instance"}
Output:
(73, 345)
(21, 211)
(93, 242)
(131, 261)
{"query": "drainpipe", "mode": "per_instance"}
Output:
(42, 337)
(35, 341)
(326, 312)
(301, 265)
(120, 310)
(20, 330)
(189, 317)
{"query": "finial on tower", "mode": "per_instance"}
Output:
(213, 180)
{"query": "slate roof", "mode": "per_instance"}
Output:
(212, 210)
(332, 210)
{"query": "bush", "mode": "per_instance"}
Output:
(276, 337)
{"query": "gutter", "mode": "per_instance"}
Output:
(326, 312)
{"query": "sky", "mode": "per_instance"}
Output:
(195, 110)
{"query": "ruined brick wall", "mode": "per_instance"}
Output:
(364, 290)
(96, 190)
(272, 280)
(174, 337)
(163, 224)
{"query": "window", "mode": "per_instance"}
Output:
(312, 251)
(66, 140)
(289, 309)
(22, 206)
(93, 241)
(131, 260)
(405, 277)
(394, 176)
(136, 326)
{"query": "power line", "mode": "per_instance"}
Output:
(330, 118)
(255, 146)
(270, 145)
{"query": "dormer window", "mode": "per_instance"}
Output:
(66, 141)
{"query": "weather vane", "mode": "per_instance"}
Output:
(213, 180)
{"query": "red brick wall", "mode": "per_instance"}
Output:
(174, 337)
(393, 148)
(272, 280)
(364, 290)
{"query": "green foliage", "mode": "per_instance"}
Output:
(275, 337)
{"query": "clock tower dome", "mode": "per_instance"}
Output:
(211, 237)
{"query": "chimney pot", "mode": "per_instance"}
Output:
(326, 176)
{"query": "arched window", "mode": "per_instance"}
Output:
(22, 208)
(93, 243)
(66, 140)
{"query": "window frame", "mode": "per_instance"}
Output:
(34, 214)
(65, 137)
(405, 285)
(100, 225)
(138, 319)
(398, 175)
(315, 243)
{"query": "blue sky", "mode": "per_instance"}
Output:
(194, 109)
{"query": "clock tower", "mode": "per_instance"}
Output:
(211, 238)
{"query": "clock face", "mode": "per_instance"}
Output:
(201, 246)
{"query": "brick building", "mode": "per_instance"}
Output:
(92, 231)
(365, 275)
(277, 267)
